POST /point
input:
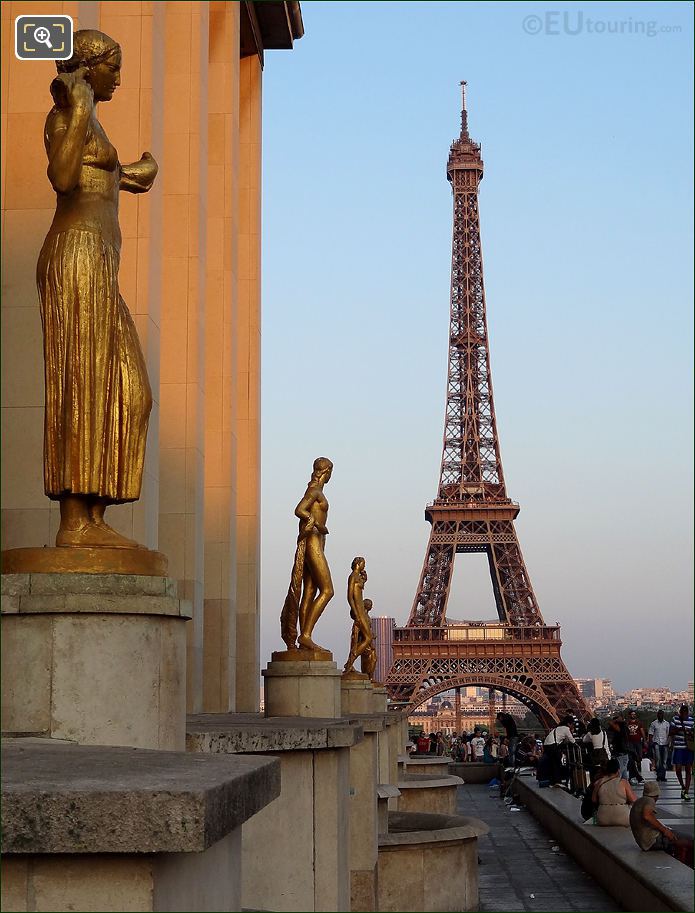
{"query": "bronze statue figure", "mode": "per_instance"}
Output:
(361, 637)
(98, 396)
(311, 587)
(369, 657)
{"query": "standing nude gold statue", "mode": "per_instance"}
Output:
(98, 396)
(369, 657)
(311, 587)
(361, 638)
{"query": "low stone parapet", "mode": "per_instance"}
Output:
(113, 829)
(474, 771)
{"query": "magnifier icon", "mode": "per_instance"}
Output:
(43, 36)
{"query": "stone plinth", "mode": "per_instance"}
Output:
(357, 695)
(305, 689)
(427, 764)
(380, 701)
(94, 658)
(296, 852)
(115, 829)
(429, 863)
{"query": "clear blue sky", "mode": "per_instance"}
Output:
(586, 220)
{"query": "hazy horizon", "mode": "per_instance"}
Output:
(586, 215)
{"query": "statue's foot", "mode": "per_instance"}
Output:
(93, 535)
(308, 644)
(291, 644)
(110, 531)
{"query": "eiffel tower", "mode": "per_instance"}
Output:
(518, 654)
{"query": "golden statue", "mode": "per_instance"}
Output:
(311, 587)
(361, 637)
(98, 396)
(368, 658)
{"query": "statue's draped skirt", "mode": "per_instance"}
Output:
(98, 396)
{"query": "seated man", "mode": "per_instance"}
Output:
(651, 834)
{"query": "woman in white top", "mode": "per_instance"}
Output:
(597, 738)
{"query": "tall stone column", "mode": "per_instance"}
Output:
(184, 35)
(220, 497)
(248, 382)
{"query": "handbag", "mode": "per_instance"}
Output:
(689, 735)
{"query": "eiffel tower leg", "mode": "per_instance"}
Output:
(510, 577)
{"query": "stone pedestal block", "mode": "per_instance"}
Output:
(423, 793)
(380, 698)
(357, 696)
(429, 863)
(303, 689)
(364, 821)
(94, 658)
(295, 852)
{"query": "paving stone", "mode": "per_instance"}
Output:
(517, 861)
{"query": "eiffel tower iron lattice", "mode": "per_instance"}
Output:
(519, 654)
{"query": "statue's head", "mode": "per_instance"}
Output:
(322, 469)
(368, 605)
(357, 563)
(100, 56)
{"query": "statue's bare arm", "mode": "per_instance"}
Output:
(139, 176)
(303, 511)
(66, 130)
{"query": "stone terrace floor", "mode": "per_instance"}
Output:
(518, 868)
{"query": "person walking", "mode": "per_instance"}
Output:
(477, 746)
(658, 744)
(681, 735)
(617, 731)
(511, 732)
(635, 745)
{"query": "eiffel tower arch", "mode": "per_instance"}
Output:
(517, 653)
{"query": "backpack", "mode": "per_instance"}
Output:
(587, 808)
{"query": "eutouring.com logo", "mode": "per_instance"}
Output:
(576, 22)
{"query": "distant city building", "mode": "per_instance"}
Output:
(382, 629)
(597, 691)
(439, 714)
(691, 696)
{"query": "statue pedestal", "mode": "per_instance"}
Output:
(94, 658)
(357, 694)
(380, 699)
(304, 688)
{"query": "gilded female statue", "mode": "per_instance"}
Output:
(98, 396)
(311, 587)
(361, 638)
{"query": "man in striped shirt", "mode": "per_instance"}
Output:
(682, 740)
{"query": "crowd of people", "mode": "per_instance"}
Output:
(481, 745)
(613, 755)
